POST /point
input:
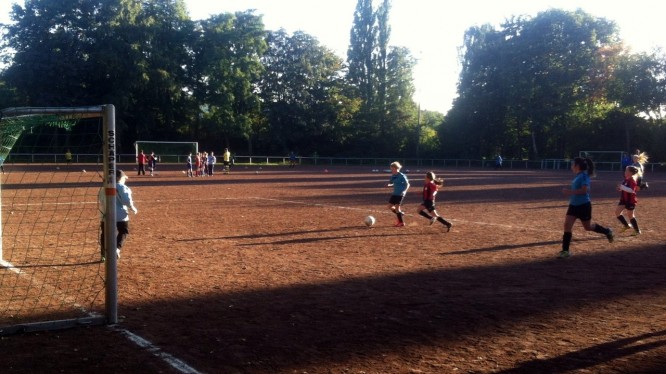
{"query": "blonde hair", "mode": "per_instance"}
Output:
(396, 165)
(641, 158)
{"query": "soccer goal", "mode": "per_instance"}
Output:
(169, 152)
(51, 271)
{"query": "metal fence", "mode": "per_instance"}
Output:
(553, 164)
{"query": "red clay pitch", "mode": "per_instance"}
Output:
(274, 271)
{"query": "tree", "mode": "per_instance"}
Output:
(530, 78)
(49, 46)
(164, 28)
(382, 74)
(362, 44)
(302, 90)
(638, 90)
(127, 52)
(227, 71)
(399, 113)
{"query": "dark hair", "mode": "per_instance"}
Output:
(431, 175)
(632, 169)
(585, 164)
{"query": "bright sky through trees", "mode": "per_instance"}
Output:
(432, 30)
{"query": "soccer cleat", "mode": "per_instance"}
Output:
(399, 224)
(448, 226)
(610, 236)
(432, 220)
(636, 233)
(625, 228)
(564, 254)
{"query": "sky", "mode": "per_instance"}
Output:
(432, 30)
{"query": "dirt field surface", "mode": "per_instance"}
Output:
(272, 270)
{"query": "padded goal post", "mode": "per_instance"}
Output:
(51, 271)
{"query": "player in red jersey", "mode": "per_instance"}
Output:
(141, 160)
(427, 207)
(628, 199)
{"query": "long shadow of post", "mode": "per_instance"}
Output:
(604, 352)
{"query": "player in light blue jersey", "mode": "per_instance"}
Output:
(580, 204)
(400, 185)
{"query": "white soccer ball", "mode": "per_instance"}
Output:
(370, 220)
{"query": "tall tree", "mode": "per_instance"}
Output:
(49, 46)
(637, 89)
(301, 92)
(227, 73)
(399, 113)
(127, 52)
(383, 76)
(528, 78)
(164, 28)
(362, 44)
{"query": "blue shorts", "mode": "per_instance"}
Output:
(582, 212)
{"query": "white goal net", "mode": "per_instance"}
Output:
(55, 161)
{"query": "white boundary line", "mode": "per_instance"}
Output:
(174, 362)
(503, 225)
(10, 267)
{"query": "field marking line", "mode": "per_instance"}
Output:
(174, 362)
(503, 225)
(55, 290)
(9, 266)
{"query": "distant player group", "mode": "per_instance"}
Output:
(203, 164)
(580, 204)
(142, 160)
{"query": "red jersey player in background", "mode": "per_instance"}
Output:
(141, 160)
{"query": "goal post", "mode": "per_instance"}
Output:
(51, 271)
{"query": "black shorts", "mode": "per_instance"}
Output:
(582, 212)
(627, 205)
(429, 205)
(396, 199)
